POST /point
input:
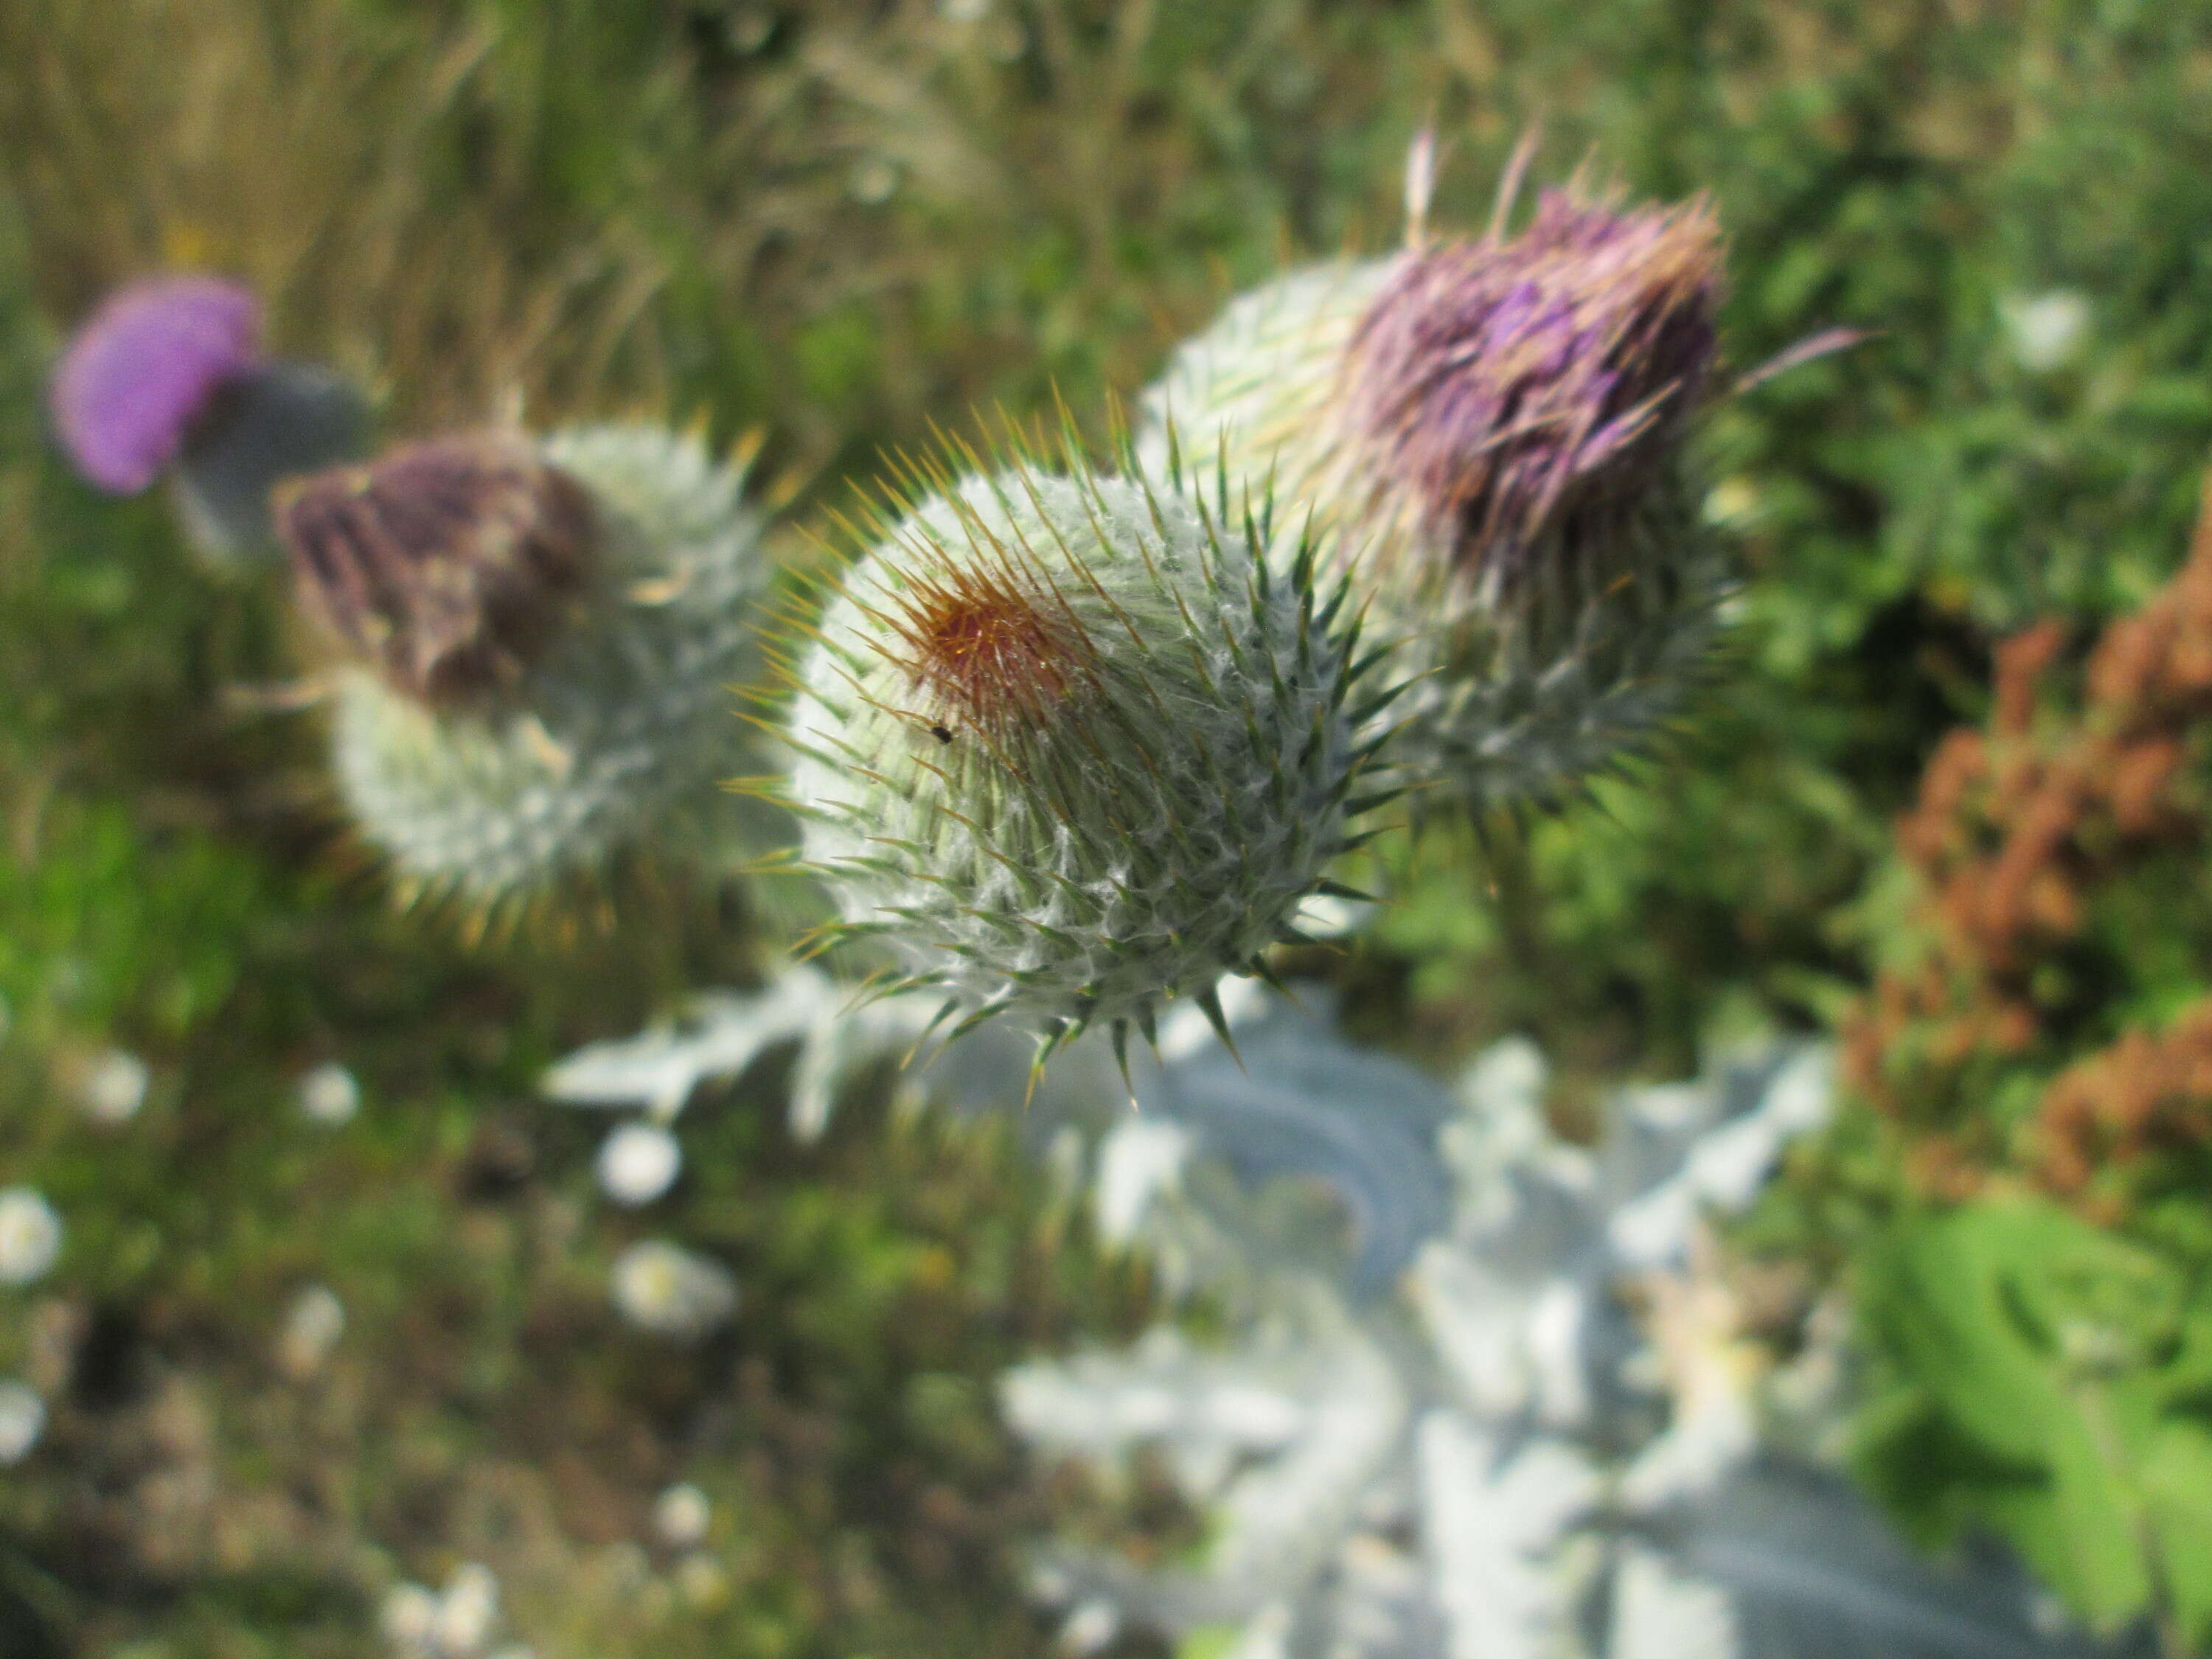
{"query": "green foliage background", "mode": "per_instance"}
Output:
(843, 223)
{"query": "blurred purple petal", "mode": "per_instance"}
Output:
(141, 370)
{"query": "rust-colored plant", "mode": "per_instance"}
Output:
(2058, 917)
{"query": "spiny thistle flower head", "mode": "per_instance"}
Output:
(142, 371)
(1488, 434)
(538, 640)
(1071, 748)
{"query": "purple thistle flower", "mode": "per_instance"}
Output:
(1505, 392)
(143, 372)
(446, 563)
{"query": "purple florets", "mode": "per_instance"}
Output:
(143, 369)
(1513, 390)
(447, 563)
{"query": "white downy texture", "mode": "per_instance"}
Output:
(1505, 1424)
(1244, 400)
(1201, 1113)
(625, 729)
(661, 1287)
(1071, 749)
(718, 1034)
(1279, 1442)
(1578, 1485)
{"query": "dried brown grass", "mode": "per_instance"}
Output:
(364, 178)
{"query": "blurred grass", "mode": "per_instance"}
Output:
(844, 224)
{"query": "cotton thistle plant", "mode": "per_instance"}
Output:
(1489, 432)
(167, 377)
(538, 641)
(1071, 748)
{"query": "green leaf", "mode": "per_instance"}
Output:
(2020, 1323)
(2176, 1473)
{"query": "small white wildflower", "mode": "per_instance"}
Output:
(114, 1087)
(663, 1288)
(408, 1616)
(681, 1516)
(30, 1235)
(22, 1420)
(638, 1162)
(466, 1611)
(2048, 329)
(312, 1329)
(1090, 1628)
(330, 1096)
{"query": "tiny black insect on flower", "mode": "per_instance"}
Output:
(941, 733)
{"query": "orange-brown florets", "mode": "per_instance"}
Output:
(987, 648)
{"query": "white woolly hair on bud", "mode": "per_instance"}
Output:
(1071, 748)
(542, 641)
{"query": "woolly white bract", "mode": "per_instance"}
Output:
(619, 733)
(1071, 749)
(1245, 397)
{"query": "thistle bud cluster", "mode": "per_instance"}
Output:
(1063, 744)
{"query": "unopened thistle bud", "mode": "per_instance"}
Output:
(1490, 433)
(538, 640)
(1071, 749)
(167, 378)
